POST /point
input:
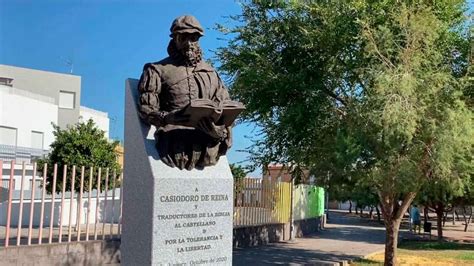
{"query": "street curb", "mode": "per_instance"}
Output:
(373, 253)
(348, 262)
(345, 262)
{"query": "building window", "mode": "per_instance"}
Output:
(6, 81)
(7, 136)
(37, 183)
(37, 140)
(6, 185)
(67, 99)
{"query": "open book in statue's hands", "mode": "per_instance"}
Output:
(221, 113)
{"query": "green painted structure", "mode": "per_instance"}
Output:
(308, 202)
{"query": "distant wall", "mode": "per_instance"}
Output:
(26, 114)
(48, 84)
(271, 233)
(307, 226)
(260, 235)
(308, 202)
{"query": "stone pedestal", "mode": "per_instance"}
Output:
(171, 216)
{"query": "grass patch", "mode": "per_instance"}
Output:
(426, 253)
(422, 245)
(366, 262)
(466, 256)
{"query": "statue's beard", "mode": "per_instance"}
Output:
(192, 55)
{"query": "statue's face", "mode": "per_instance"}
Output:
(184, 41)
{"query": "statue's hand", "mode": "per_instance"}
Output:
(175, 118)
(156, 118)
(211, 129)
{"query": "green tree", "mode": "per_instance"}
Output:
(465, 203)
(83, 144)
(342, 193)
(364, 196)
(238, 172)
(366, 89)
(442, 195)
(439, 196)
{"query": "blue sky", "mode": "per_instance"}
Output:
(107, 42)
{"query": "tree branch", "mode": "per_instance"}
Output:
(335, 96)
(409, 197)
(384, 59)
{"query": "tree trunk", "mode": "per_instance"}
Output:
(467, 219)
(454, 220)
(350, 206)
(466, 224)
(391, 243)
(378, 213)
(392, 213)
(371, 213)
(439, 221)
(356, 209)
(445, 217)
(425, 213)
(292, 213)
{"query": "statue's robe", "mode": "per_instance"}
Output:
(169, 85)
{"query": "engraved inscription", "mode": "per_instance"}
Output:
(205, 225)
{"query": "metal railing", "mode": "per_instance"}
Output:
(35, 216)
(41, 206)
(261, 201)
(20, 154)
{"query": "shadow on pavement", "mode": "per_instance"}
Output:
(345, 238)
(282, 255)
(345, 227)
(345, 218)
(352, 234)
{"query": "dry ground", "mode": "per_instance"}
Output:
(427, 253)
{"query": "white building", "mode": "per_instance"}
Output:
(25, 122)
(30, 102)
(101, 119)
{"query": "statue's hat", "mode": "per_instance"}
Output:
(186, 24)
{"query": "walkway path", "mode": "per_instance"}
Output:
(345, 238)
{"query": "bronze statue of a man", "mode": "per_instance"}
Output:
(169, 86)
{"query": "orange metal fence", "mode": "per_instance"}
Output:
(28, 210)
(29, 214)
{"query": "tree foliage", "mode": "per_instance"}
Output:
(445, 194)
(83, 144)
(372, 91)
(238, 172)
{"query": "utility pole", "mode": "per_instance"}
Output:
(327, 197)
(292, 218)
